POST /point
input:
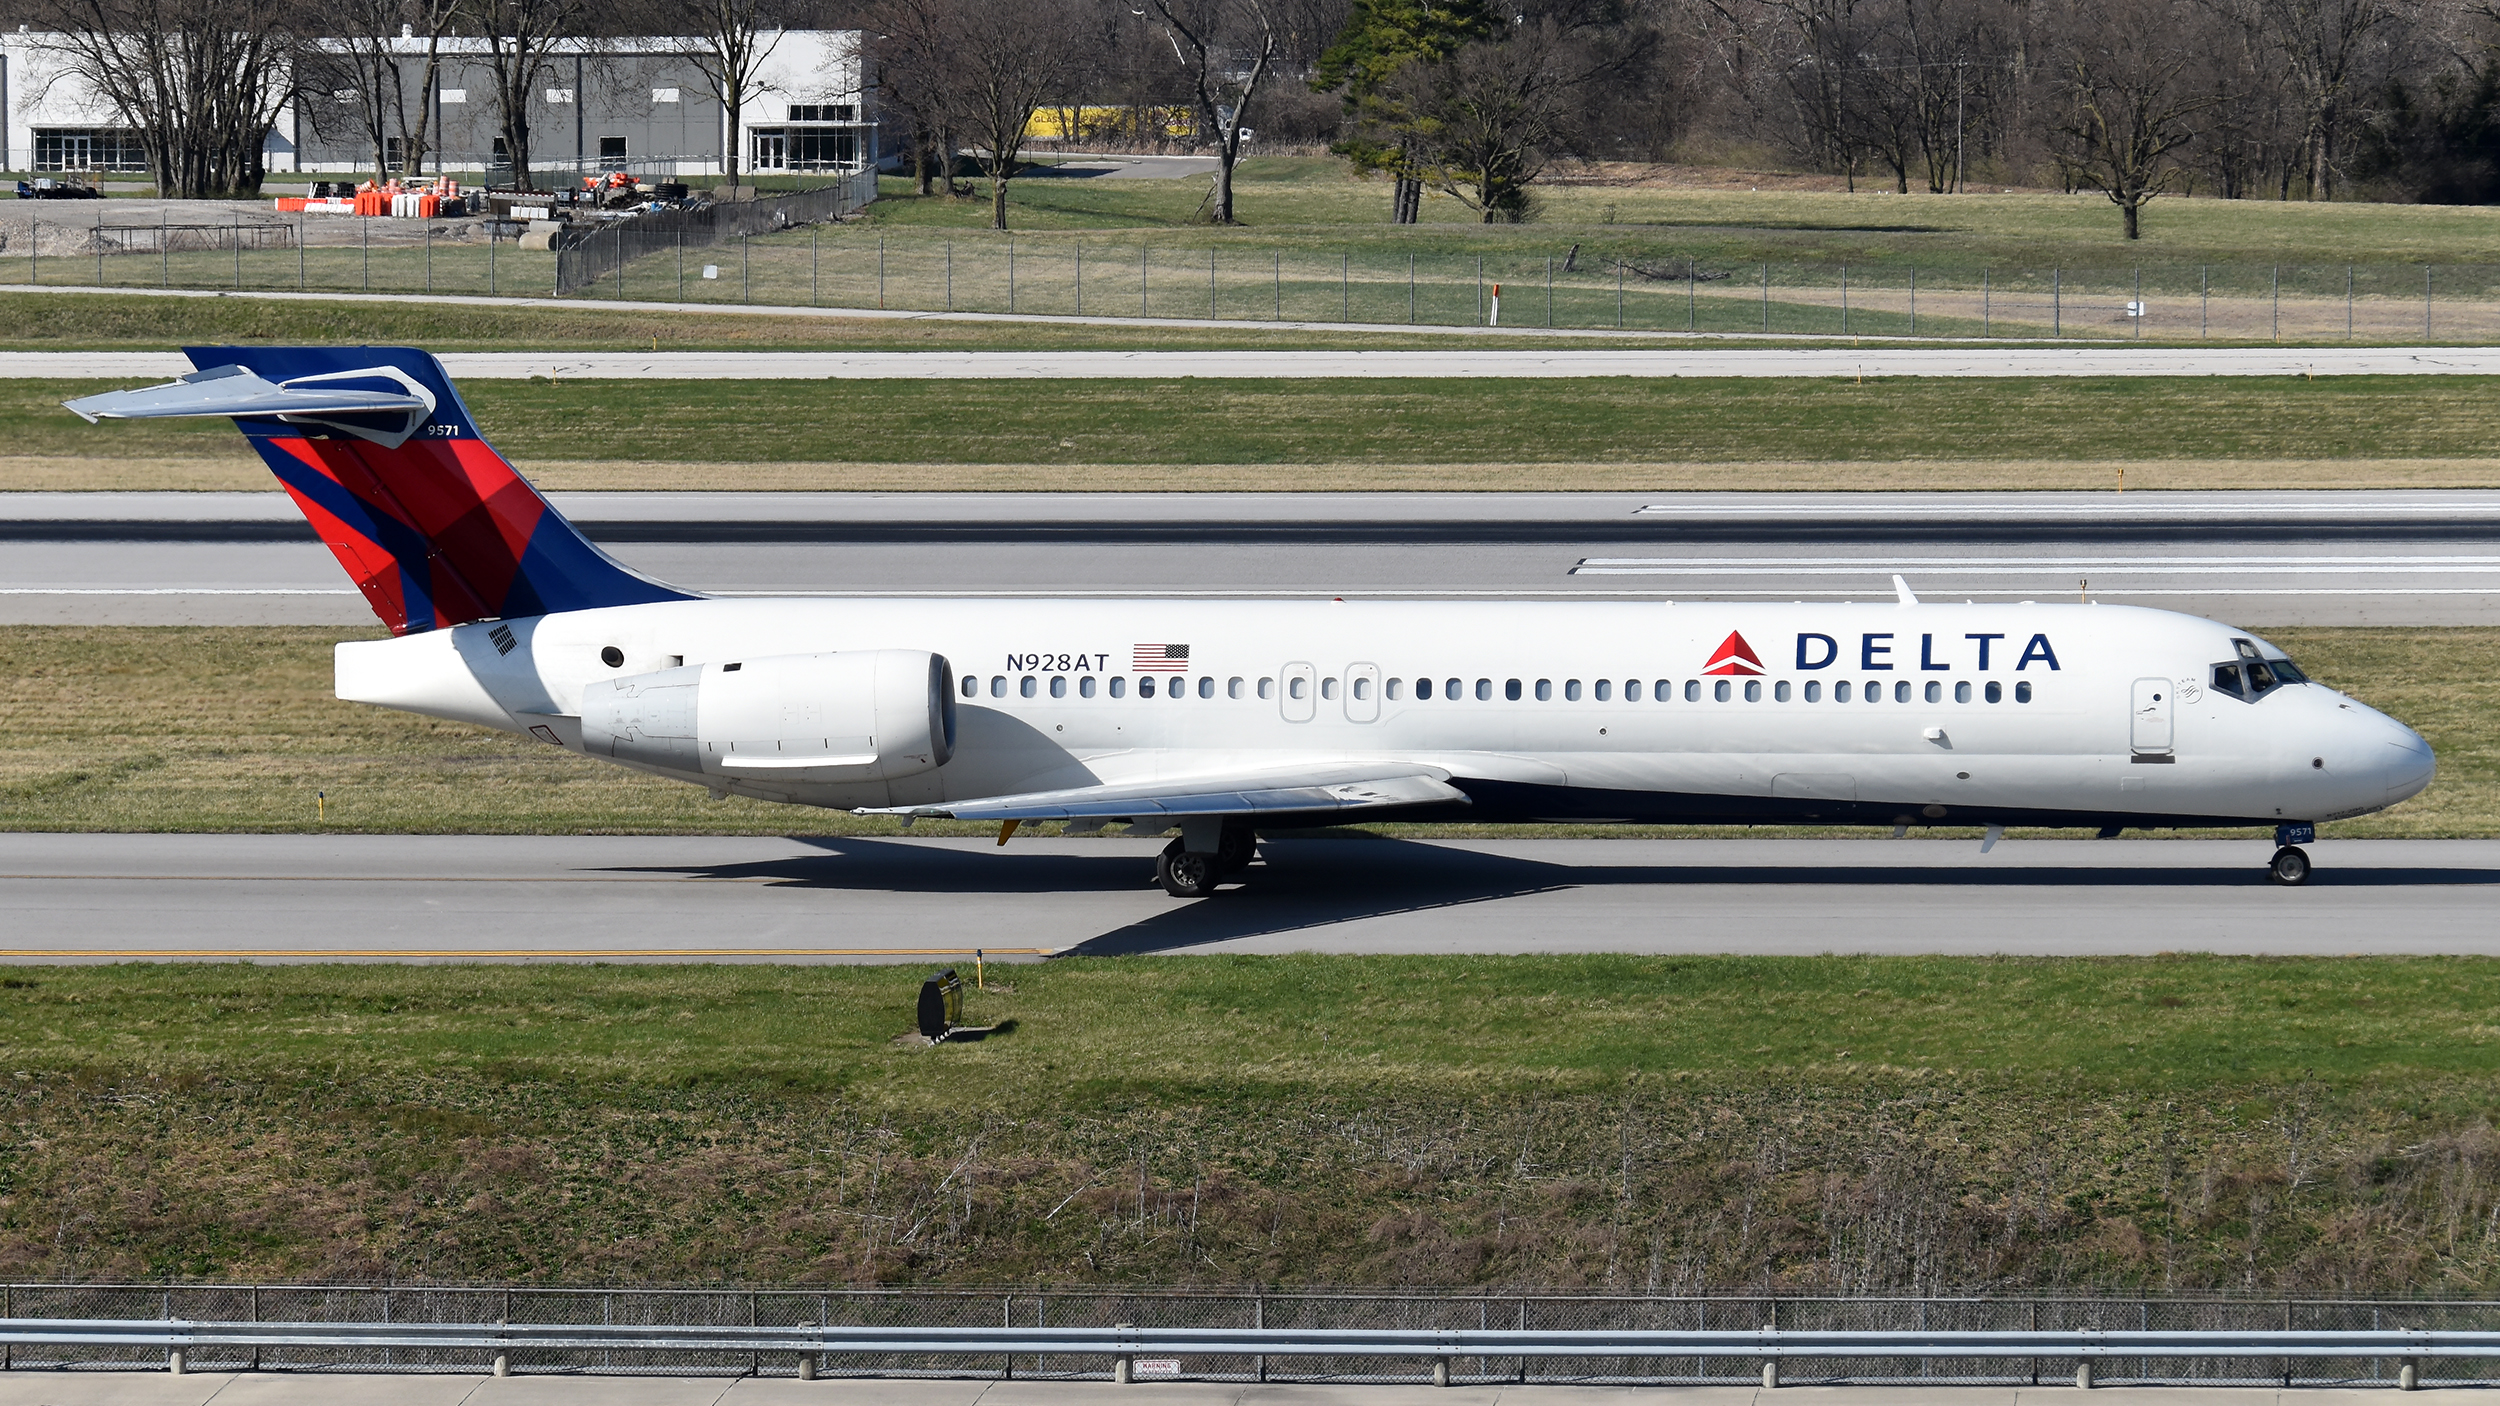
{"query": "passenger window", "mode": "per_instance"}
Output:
(1631, 690)
(1605, 690)
(1145, 685)
(1814, 690)
(1484, 690)
(1996, 691)
(1267, 688)
(1840, 691)
(1935, 691)
(1571, 690)
(1028, 685)
(1961, 691)
(998, 685)
(1396, 689)
(972, 685)
(1328, 687)
(1722, 690)
(1663, 690)
(1178, 688)
(1510, 690)
(1753, 690)
(1779, 691)
(1119, 686)
(1085, 686)
(1423, 688)
(1449, 689)
(1362, 688)
(1058, 685)
(1901, 691)
(2227, 680)
(1206, 685)
(1544, 691)
(1692, 690)
(2022, 692)
(1875, 690)
(1294, 687)
(1232, 688)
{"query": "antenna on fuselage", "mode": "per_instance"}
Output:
(1902, 588)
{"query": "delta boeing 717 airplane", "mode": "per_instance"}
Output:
(1226, 719)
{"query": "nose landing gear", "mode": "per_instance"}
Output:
(2290, 866)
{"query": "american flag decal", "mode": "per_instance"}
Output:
(1160, 659)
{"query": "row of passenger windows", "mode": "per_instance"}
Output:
(1602, 691)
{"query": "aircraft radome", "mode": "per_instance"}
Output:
(1224, 719)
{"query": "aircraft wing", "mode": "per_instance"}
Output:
(1319, 787)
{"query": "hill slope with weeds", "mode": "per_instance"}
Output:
(1828, 1124)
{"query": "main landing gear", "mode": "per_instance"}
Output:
(2290, 865)
(1187, 874)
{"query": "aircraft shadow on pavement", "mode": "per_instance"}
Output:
(1302, 885)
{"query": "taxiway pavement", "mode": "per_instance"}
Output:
(1532, 363)
(458, 1389)
(2256, 559)
(119, 897)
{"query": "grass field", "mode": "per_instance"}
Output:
(1870, 1124)
(1303, 201)
(1367, 434)
(235, 729)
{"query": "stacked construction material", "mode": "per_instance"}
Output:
(410, 200)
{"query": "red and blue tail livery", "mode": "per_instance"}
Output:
(375, 446)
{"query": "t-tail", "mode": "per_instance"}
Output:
(375, 446)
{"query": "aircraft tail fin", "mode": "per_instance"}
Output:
(377, 449)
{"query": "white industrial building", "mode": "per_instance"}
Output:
(640, 105)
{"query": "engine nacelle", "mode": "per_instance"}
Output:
(861, 715)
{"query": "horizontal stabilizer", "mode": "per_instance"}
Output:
(232, 390)
(1272, 791)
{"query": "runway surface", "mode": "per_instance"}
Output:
(1974, 361)
(2256, 559)
(626, 898)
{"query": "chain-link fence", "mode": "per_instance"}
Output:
(606, 251)
(1180, 1308)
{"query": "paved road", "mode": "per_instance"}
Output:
(2257, 559)
(280, 1389)
(273, 897)
(1992, 361)
(1076, 165)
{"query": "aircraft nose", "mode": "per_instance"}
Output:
(2409, 765)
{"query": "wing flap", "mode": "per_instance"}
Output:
(1325, 788)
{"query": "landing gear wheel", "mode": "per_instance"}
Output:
(2290, 866)
(1237, 848)
(1186, 875)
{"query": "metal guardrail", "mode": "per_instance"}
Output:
(1762, 1344)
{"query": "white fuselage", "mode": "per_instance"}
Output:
(2100, 714)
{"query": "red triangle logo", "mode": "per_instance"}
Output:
(1734, 657)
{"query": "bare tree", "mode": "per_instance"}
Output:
(2135, 77)
(199, 81)
(2323, 44)
(1225, 47)
(361, 65)
(1007, 61)
(522, 38)
(911, 41)
(737, 40)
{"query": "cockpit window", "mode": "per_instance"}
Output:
(2287, 671)
(2254, 675)
(2261, 680)
(2247, 648)
(2227, 680)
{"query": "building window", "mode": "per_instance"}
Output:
(453, 95)
(88, 149)
(559, 97)
(797, 148)
(818, 112)
(612, 153)
(665, 95)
